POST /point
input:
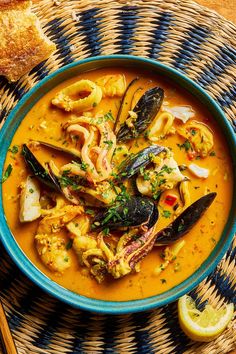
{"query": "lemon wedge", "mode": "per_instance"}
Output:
(206, 325)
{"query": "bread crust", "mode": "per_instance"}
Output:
(14, 4)
(23, 44)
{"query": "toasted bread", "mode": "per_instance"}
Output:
(23, 44)
(14, 4)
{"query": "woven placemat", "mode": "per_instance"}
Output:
(180, 34)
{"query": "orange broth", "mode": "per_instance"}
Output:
(200, 241)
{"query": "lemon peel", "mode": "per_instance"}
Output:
(206, 325)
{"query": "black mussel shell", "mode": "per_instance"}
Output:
(46, 177)
(146, 109)
(185, 221)
(134, 162)
(125, 105)
(136, 211)
(73, 153)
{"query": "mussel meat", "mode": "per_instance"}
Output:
(134, 212)
(132, 164)
(143, 113)
(185, 221)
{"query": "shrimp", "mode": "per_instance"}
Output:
(50, 244)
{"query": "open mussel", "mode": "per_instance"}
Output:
(132, 164)
(185, 221)
(70, 151)
(141, 115)
(45, 176)
(136, 211)
(126, 103)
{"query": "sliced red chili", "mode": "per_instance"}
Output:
(170, 199)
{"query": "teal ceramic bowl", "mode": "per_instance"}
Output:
(7, 133)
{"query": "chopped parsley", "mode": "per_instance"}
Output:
(7, 173)
(163, 281)
(109, 143)
(112, 214)
(84, 166)
(186, 146)
(14, 150)
(162, 267)
(125, 211)
(31, 190)
(108, 116)
(180, 227)
(67, 181)
(106, 231)
(166, 169)
(117, 211)
(166, 214)
(212, 153)
(135, 237)
(213, 240)
(145, 174)
(89, 211)
(69, 244)
(66, 259)
(159, 180)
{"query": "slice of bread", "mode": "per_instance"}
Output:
(23, 44)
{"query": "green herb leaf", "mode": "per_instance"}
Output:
(14, 149)
(166, 214)
(186, 146)
(108, 116)
(213, 240)
(66, 181)
(69, 244)
(7, 173)
(109, 143)
(106, 231)
(84, 166)
(89, 211)
(180, 227)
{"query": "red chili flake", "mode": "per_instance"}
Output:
(191, 155)
(170, 199)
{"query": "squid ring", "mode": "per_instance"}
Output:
(161, 126)
(71, 97)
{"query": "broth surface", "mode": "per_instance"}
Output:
(43, 122)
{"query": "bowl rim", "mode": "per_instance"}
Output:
(103, 306)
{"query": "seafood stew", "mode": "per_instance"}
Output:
(117, 184)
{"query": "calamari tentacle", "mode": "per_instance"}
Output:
(127, 259)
